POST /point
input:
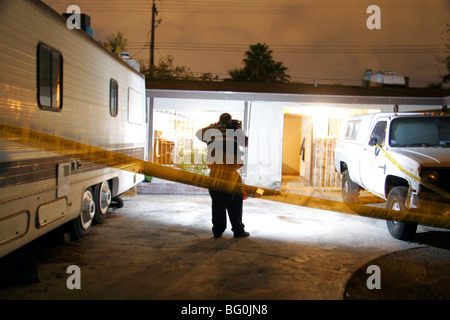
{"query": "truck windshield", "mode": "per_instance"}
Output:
(420, 132)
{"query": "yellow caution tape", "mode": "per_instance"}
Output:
(100, 156)
(395, 163)
(429, 186)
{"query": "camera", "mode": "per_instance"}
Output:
(236, 124)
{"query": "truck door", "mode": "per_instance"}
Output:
(373, 162)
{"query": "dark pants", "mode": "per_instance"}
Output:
(223, 202)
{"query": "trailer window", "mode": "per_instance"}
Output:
(50, 66)
(113, 98)
(136, 105)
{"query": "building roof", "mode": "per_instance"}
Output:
(298, 92)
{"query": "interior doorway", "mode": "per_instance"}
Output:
(292, 140)
(297, 143)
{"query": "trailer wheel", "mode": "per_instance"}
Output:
(396, 201)
(102, 200)
(82, 224)
(350, 189)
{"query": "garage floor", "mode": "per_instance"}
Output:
(161, 247)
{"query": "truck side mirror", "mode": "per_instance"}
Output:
(373, 141)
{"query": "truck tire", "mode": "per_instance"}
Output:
(396, 201)
(350, 189)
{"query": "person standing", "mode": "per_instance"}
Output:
(224, 140)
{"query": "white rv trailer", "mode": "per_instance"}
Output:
(61, 82)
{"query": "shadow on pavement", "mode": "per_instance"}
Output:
(414, 274)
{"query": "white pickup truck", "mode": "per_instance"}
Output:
(415, 157)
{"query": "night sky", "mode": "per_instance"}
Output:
(323, 40)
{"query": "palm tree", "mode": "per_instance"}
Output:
(258, 63)
(260, 67)
(237, 75)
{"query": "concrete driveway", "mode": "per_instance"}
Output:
(161, 247)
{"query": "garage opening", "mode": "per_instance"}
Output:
(309, 139)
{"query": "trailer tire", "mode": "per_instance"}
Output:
(81, 225)
(350, 189)
(102, 200)
(396, 201)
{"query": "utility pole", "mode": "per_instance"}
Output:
(152, 42)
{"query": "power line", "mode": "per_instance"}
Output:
(310, 48)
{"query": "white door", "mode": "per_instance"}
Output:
(373, 161)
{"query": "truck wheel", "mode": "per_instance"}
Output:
(396, 201)
(102, 199)
(350, 190)
(81, 225)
